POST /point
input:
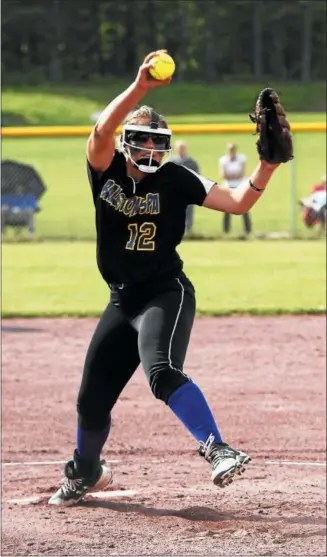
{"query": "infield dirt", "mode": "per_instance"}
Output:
(265, 379)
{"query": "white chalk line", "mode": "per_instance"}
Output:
(294, 463)
(45, 463)
(99, 495)
(107, 495)
(154, 461)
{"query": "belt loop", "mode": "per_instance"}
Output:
(116, 286)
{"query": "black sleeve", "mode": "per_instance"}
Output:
(193, 187)
(98, 178)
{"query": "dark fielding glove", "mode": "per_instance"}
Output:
(275, 143)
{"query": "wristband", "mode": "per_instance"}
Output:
(254, 188)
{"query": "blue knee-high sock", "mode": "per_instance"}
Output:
(90, 443)
(190, 406)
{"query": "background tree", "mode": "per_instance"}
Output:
(64, 41)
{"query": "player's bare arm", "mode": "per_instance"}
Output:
(240, 200)
(101, 143)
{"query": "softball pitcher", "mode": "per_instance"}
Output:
(140, 201)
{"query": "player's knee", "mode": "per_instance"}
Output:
(164, 381)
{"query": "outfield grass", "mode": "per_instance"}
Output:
(58, 279)
(64, 105)
(67, 211)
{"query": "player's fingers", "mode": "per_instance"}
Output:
(147, 66)
(148, 57)
(152, 54)
(159, 82)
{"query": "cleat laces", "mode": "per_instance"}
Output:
(216, 452)
(71, 486)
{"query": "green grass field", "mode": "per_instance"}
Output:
(67, 211)
(73, 105)
(61, 278)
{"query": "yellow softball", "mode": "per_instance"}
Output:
(164, 66)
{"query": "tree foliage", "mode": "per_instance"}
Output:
(211, 40)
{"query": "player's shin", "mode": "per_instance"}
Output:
(190, 406)
(90, 443)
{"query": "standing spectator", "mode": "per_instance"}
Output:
(184, 159)
(232, 169)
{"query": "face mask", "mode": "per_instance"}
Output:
(135, 137)
(139, 139)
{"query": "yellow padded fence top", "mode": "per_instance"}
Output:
(84, 131)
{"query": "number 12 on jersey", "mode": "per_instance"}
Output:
(141, 236)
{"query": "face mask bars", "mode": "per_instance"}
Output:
(146, 164)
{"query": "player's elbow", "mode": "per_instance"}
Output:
(234, 206)
(100, 151)
(238, 205)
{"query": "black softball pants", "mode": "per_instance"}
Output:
(147, 324)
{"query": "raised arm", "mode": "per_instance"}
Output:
(101, 142)
(274, 146)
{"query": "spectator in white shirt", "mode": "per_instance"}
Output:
(232, 169)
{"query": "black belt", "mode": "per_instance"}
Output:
(123, 285)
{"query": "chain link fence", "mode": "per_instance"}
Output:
(64, 208)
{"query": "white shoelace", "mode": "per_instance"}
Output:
(71, 485)
(222, 452)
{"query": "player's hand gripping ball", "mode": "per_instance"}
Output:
(163, 68)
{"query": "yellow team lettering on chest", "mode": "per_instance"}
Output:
(113, 194)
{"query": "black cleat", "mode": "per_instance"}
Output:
(77, 483)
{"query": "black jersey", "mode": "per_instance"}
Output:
(139, 225)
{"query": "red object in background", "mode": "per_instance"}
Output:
(318, 187)
(309, 216)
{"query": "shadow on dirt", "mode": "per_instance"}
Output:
(205, 514)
